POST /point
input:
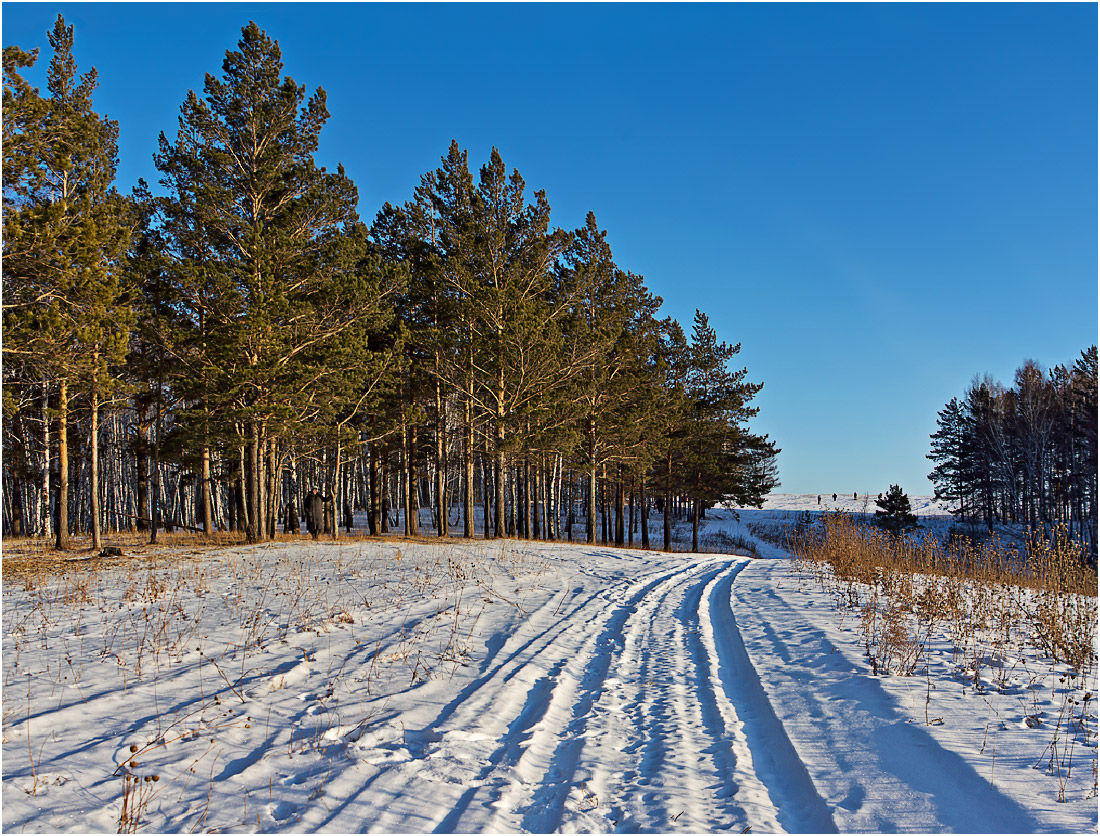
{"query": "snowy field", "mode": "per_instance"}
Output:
(390, 687)
(850, 503)
(780, 507)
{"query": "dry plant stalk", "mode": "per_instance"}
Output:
(985, 598)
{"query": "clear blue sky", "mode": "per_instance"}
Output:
(878, 201)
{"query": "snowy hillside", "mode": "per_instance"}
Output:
(500, 687)
(923, 506)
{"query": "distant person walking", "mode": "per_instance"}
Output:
(315, 513)
(330, 514)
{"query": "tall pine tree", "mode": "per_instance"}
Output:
(66, 232)
(259, 230)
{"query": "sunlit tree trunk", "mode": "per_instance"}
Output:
(62, 540)
(93, 447)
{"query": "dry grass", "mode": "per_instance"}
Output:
(1055, 564)
(1047, 592)
(35, 559)
(1003, 614)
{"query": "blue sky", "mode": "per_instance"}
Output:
(877, 201)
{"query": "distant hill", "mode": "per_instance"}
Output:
(923, 506)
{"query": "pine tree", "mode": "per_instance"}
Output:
(66, 230)
(894, 513)
(949, 452)
(498, 254)
(259, 233)
(672, 362)
(1023, 454)
(407, 236)
(720, 458)
(1082, 426)
(611, 316)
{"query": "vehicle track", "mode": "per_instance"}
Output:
(548, 737)
(522, 680)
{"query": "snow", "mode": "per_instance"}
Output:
(499, 686)
(860, 503)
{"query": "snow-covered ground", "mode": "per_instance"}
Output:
(851, 503)
(503, 686)
(776, 506)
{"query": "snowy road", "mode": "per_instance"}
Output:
(619, 706)
(554, 688)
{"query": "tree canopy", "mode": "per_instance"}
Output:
(244, 336)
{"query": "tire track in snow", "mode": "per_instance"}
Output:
(475, 697)
(646, 645)
(550, 759)
(799, 807)
(687, 774)
(587, 719)
(713, 755)
(481, 710)
(869, 762)
(510, 746)
(738, 797)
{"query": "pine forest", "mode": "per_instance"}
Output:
(206, 354)
(1024, 454)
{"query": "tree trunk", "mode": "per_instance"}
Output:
(536, 488)
(569, 510)
(231, 504)
(547, 477)
(486, 522)
(554, 497)
(374, 516)
(467, 472)
(512, 506)
(93, 449)
(405, 469)
(154, 517)
(142, 465)
(14, 494)
(242, 490)
(643, 509)
(668, 507)
(412, 486)
(524, 489)
(619, 539)
(440, 463)
(250, 468)
(591, 480)
(44, 515)
(498, 483)
(384, 494)
(337, 492)
(630, 519)
(605, 521)
(695, 503)
(274, 483)
(261, 483)
(207, 503)
(62, 533)
(552, 521)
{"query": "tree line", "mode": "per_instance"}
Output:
(1023, 454)
(204, 353)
